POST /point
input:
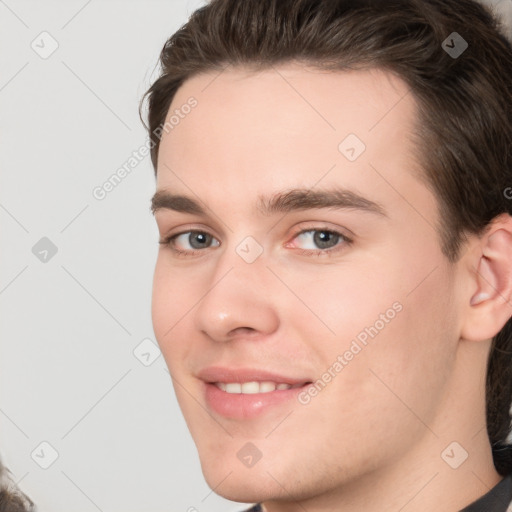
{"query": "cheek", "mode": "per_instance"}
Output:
(339, 303)
(397, 321)
(411, 359)
(161, 304)
(171, 299)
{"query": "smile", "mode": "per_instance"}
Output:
(254, 387)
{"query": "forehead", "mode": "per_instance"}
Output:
(287, 126)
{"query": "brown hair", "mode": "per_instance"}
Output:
(464, 127)
(12, 499)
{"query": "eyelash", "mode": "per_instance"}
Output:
(170, 241)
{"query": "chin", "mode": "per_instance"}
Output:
(245, 487)
(231, 479)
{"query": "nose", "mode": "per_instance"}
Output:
(237, 300)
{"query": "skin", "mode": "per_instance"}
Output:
(373, 438)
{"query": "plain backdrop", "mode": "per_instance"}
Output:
(71, 321)
(88, 417)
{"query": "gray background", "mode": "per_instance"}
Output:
(71, 321)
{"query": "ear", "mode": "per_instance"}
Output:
(489, 306)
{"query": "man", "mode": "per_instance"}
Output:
(333, 290)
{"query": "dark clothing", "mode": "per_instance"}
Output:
(498, 499)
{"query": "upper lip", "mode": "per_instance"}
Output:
(221, 374)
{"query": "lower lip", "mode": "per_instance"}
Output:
(246, 406)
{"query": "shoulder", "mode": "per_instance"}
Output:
(498, 499)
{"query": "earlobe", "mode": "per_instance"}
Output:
(490, 305)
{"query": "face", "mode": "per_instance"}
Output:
(342, 293)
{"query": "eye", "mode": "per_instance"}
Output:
(321, 241)
(198, 240)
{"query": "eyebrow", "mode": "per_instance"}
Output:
(280, 202)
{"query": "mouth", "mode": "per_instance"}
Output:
(244, 394)
(256, 387)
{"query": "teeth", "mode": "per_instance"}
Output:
(266, 387)
(250, 388)
(234, 387)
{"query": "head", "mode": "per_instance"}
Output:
(411, 309)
